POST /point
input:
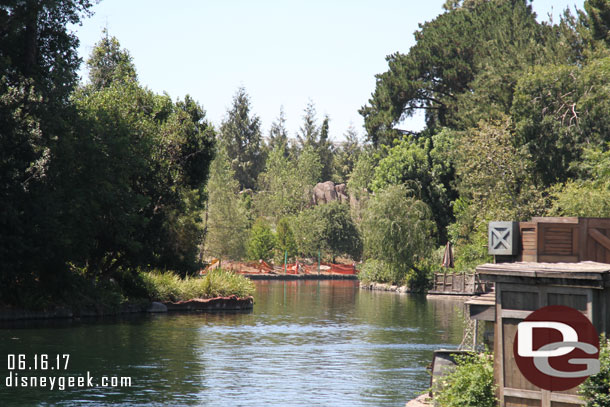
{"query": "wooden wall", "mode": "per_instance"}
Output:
(514, 302)
(565, 240)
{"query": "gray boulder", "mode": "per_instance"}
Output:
(156, 307)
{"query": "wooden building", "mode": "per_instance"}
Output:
(524, 287)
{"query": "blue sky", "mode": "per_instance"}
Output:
(284, 52)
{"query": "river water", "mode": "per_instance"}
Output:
(306, 343)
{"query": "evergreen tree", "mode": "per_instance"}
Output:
(316, 137)
(261, 242)
(226, 219)
(346, 156)
(325, 150)
(109, 63)
(598, 19)
(285, 239)
(278, 135)
(309, 132)
(240, 136)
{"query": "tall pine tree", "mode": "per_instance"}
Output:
(240, 136)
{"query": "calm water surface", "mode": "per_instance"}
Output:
(306, 343)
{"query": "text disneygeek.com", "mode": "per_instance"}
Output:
(21, 369)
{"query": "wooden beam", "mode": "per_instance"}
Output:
(555, 220)
(600, 238)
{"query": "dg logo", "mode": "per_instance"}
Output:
(556, 348)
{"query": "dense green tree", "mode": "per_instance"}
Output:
(412, 164)
(560, 109)
(240, 135)
(495, 183)
(589, 194)
(226, 229)
(261, 242)
(109, 63)
(462, 68)
(327, 228)
(38, 72)
(363, 173)
(340, 235)
(397, 229)
(286, 183)
(146, 164)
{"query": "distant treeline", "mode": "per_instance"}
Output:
(104, 177)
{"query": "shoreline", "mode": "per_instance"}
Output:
(400, 289)
(301, 276)
(230, 303)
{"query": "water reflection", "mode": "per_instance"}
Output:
(306, 343)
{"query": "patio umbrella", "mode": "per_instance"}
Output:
(448, 256)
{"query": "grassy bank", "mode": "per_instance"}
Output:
(79, 290)
(217, 283)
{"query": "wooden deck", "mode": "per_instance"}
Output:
(458, 284)
(483, 307)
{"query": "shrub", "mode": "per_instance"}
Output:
(596, 389)
(471, 384)
(261, 242)
(379, 271)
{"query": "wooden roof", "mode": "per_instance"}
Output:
(587, 273)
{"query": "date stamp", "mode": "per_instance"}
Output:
(43, 361)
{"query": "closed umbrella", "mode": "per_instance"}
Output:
(448, 256)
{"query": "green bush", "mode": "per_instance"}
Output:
(261, 242)
(471, 384)
(596, 389)
(378, 271)
(167, 286)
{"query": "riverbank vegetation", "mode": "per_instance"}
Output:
(167, 286)
(107, 177)
(471, 384)
(596, 389)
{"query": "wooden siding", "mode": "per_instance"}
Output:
(569, 240)
(524, 287)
